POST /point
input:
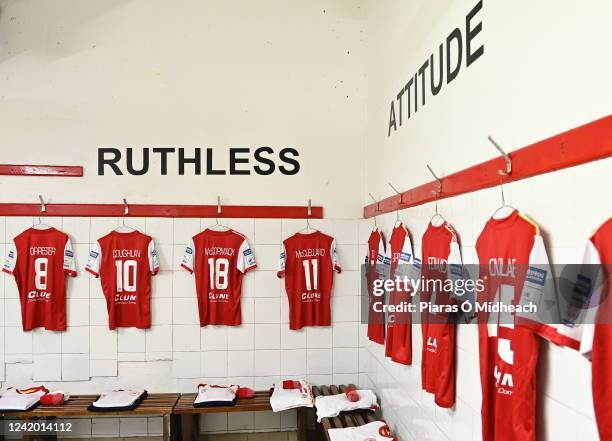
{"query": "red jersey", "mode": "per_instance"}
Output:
(441, 260)
(594, 339)
(398, 345)
(40, 259)
(308, 262)
(375, 256)
(512, 260)
(219, 259)
(125, 263)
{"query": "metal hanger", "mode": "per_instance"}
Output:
(43, 209)
(502, 173)
(376, 210)
(399, 204)
(437, 192)
(308, 229)
(123, 227)
(217, 225)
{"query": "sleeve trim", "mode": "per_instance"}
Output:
(4, 270)
(337, 269)
(185, 267)
(71, 273)
(280, 274)
(92, 272)
(252, 267)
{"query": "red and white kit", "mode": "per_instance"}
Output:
(125, 263)
(441, 261)
(512, 259)
(308, 262)
(40, 259)
(398, 345)
(594, 339)
(375, 256)
(219, 260)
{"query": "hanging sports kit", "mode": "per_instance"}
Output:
(440, 261)
(398, 344)
(40, 258)
(308, 262)
(219, 260)
(374, 257)
(125, 262)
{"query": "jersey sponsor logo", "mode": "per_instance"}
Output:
(93, 254)
(125, 298)
(310, 252)
(39, 295)
(68, 253)
(247, 252)
(311, 296)
(405, 257)
(417, 262)
(42, 251)
(154, 252)
(536, 275)
(188, 250)
(218, 297)
(126, 253)
(456, 270)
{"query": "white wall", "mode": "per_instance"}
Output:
(78, 76)
(542, 73)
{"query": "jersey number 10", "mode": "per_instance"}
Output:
(126, 275)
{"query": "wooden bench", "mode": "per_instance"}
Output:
(189, 415)
(76, 406)
(345, 419)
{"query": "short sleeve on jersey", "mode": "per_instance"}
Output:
(187, 261)
(153, 258)
(246, 258)
(11, 260)
(69, 263)
(335, 261)
(94, 259)
(282, 262)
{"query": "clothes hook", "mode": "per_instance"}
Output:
(439, 190)
(43, 207)
(376, 210)
(126, 209)
(401, 201)
(218, 205)
(309, 213)
(506, 156)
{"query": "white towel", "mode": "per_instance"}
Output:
(332, 405)
(118, 398)
(283, 399)
(374, 431)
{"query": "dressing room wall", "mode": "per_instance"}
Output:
(138, 74)
(530, 83)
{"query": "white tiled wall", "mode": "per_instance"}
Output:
(175, 354)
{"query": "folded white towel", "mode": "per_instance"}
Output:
(331, 405)
(283, 399)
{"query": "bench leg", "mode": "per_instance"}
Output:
(190, 427)
(302, 415)
(167, 427)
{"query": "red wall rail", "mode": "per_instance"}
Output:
(144, 210)
(41, 170)
(580, 145)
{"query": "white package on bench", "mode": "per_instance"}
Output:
(118, 398)
(21, 399)
(216, 394)
(283, 399)
(331, 405)
(374, 431)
